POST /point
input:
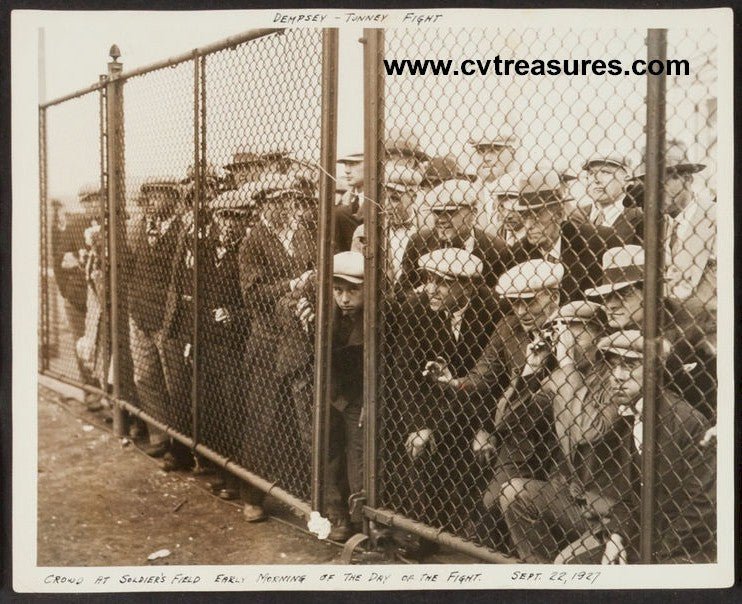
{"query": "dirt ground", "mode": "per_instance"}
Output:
(104, 504)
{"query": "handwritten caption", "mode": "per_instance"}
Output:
(359, 579)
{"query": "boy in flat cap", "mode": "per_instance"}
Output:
(346, 419)
(594, 502)
(452, 204)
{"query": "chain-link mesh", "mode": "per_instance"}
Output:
(73, 293)
(262, 145)
(155, 255)
(512, 325)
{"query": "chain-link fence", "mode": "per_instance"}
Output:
(74, 280)
(534, 376)
(514, 311)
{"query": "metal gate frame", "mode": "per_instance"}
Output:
(112, 174)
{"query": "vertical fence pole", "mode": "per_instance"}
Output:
(116, 212)
(653, 238)
(323, 332)
(44, 244)
(373, 155)
(105, 224)
(196, 251)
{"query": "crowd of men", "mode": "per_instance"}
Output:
(512, 346)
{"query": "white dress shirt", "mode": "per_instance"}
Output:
(457, 318)
(636, 412)
(606, 215)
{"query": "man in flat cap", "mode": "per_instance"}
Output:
(549, 235)
(444, 326)
(595, 501)
(495, 153)
(532, 291)
(452, 204)
(405, 160)
(693, 362)
(504, 195)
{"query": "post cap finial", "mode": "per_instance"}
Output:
(114, 53)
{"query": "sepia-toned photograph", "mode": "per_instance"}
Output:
(385, 288)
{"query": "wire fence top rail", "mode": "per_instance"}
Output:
(231, 41)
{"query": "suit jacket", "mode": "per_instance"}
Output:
(70, 281)
(266, 268)
(628, 227)
(418, 335)
(607, 464)
(583, 246)
(491, 250)
(151, 271)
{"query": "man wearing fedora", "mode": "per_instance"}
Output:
(589, 511)
(550, 236)
(443, 327)
(276, 257)
(693, 360)
(246, 166)
(690, 234)
(452, 204)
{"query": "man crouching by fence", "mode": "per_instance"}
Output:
(589, 513)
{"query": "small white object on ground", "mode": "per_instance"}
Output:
(160, 553)
(319, 525)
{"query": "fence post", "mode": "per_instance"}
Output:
(105, 223)
(197, 179)
(373, 155)
(116, 211)
(653, 243)
(44, 238)
(323, 332)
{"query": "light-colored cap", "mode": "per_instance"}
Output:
(487, 138)
(508, 185)
(451, 263)
(578, 311)
(612, 158)
(451, 195)
(630, 344)
(676, 160)
(622, 266)
(526, 279)
(542, 188)
(348, 266)
(353, 158)
(405, 142)
(91, 189)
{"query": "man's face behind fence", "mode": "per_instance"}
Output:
(625, 378)
(605, 183)
(543, 225)
(532, 312)
(494, 162)
(453, 224)
(625, 307)
(446, 294)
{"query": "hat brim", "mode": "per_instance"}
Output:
(350, 160)
(349, 279)
(439, 209)
(604, 162)
(593, 319)
(520, 207)
(448, 276)
(519, 295)
(622, 352)
(681, 168)
(601, 291)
